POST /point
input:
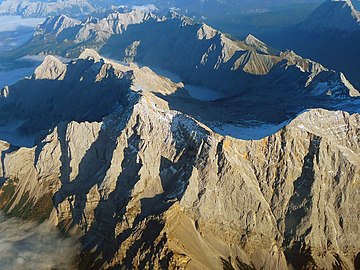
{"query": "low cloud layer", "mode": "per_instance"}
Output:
(146, 8)
(12, 23)
(26, 245)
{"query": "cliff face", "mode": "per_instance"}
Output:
(329, 35)
(196, 52)
(150, 187)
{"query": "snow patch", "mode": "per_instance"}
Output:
(249, 132)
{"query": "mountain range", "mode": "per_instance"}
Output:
(143, 185)
(244, 72)
(178, 44)
(79, 8)
(30, 8)
(330, 35)
(160, 142)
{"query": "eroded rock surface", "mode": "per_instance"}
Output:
(150, 187)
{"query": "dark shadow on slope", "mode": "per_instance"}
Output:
(65, 158)
(357, 262)
(175, 175)
(340, 53)
(92, 169)
(11, 149)
(93, 166)
(298, 208)
(263, 108)
(113, 211)
(42, 104)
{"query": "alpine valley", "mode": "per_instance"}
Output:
(155, 141)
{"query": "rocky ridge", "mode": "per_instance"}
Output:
(173, 194)
(333, 15)
(329, 35)
(208, 59)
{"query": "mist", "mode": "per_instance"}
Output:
(13, 23)
(25, 245)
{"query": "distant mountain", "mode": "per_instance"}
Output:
(337, 16)
(244, 72)
(78, 8)
(199, 54)
(210, 7)
(330, 35)
(29, 8)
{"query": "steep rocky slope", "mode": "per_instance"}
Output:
(88, 89)
(145, 186)
(333, 15)
(330, 35)
(199, 54)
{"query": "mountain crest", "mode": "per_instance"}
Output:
(206, 32)
(56, 25)
(90, 54)
(51, 69)
(254, 42)
(333, 15)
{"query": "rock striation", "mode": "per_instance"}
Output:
(199, 54)
(146, 186)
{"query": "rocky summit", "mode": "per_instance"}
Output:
(148, 140)
(329, 35)
(144, 186)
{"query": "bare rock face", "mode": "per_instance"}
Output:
(199, 54)
(151, 187)
(51, 69)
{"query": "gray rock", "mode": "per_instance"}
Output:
(151, 187)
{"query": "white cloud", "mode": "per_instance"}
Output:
(26, 245)
(12, 23)
(146, 8)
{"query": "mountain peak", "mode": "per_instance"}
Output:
(333, 15)
(50, 69)
(256, 43)
(206, 32)
(90, 54)
(56, 24)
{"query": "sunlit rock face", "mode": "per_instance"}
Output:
(146, 186)
(200, 55)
